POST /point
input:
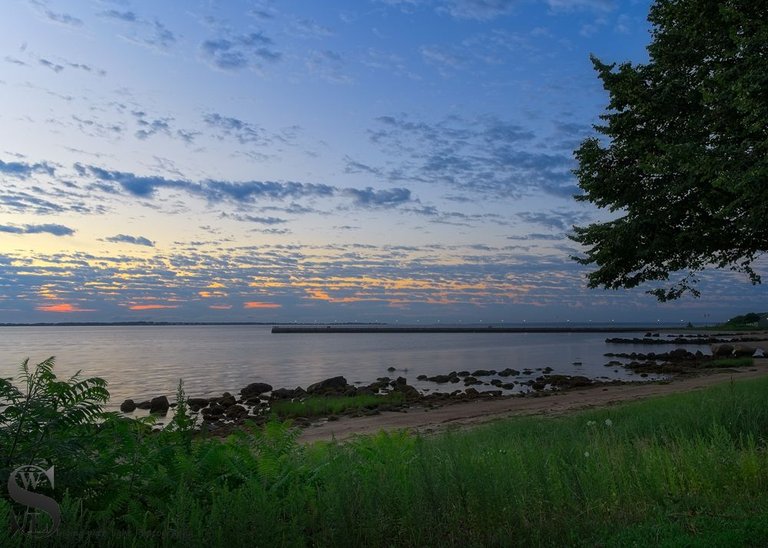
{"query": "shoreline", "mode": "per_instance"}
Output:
(475, 412)
(460, 329)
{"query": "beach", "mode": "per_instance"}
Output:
(469, 413)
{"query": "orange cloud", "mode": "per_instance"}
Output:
(63, 307)
(210, 294)
(257, 304)
(151, 306)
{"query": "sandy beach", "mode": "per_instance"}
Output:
(466, 413)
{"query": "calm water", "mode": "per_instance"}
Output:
(142, 362)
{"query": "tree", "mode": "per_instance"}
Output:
(683, 158)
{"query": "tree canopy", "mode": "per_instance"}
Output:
(682, 159)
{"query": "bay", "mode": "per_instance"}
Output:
(141, 362)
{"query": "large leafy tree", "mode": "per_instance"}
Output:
(682, 161)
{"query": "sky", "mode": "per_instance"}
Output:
(363, 160)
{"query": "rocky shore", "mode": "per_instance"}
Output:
(257, 402)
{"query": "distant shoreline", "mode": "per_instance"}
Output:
(290, 329)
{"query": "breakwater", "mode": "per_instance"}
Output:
(451, 329)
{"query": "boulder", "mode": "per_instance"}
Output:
(159, 405)
(213, 412)
(287, 393)
(227, 400)
(422, 378)
(408, 391)
(255, 389)
(128, 406)
(472, 392)
(196, 404)
(236, 412)
(334, 384)
(440, 378)
(742, 351)
(144, 404)
(723, 351)
(481, 373)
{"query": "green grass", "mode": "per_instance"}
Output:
(731, 362)
(317, 406)
(684, 470)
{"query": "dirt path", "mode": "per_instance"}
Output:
(479, 411)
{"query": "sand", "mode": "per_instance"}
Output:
(467, 413)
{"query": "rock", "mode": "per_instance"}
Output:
(287, 394)
(508, 386)
(463, 373)
(159, 405)
(391, 369)
(227, 400)
(440, 378)
(494, 393)
(471, 380)
(196, 404)
(236, 412)
(496, 382)
(408, 391)
(680, 354)
(481, 373)
(472, 392)
(548, 369)
(146, 404)
(455, 379)
(255, 389)
(128, 406)
(422, 378)
(741, 351)
(334, 384)
(399, 381)
(723, 351)
(213, 412)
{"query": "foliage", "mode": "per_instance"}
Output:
(48, 420)
(745, 319)
(674, 471)
(684, 157)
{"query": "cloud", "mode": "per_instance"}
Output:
(149, 33)
(560, 220)
(257, 304)
(239, 52)
(369, 197)
(64, 18)
(484, 155)
(56, 230)
(150, 127)
(244, 132)
(51, 65)
(135, 240)
(143, 187)
(127, 16)
(213, 191)
(571, 5)
(24, 170)
(62, 308)
(481, 10)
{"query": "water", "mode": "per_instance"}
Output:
(141, 362)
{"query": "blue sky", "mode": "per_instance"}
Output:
(368, 160)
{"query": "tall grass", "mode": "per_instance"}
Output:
(317, 406)
(688, 469)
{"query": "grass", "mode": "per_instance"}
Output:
(317, 406)
(684, 470)
(731, 362)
